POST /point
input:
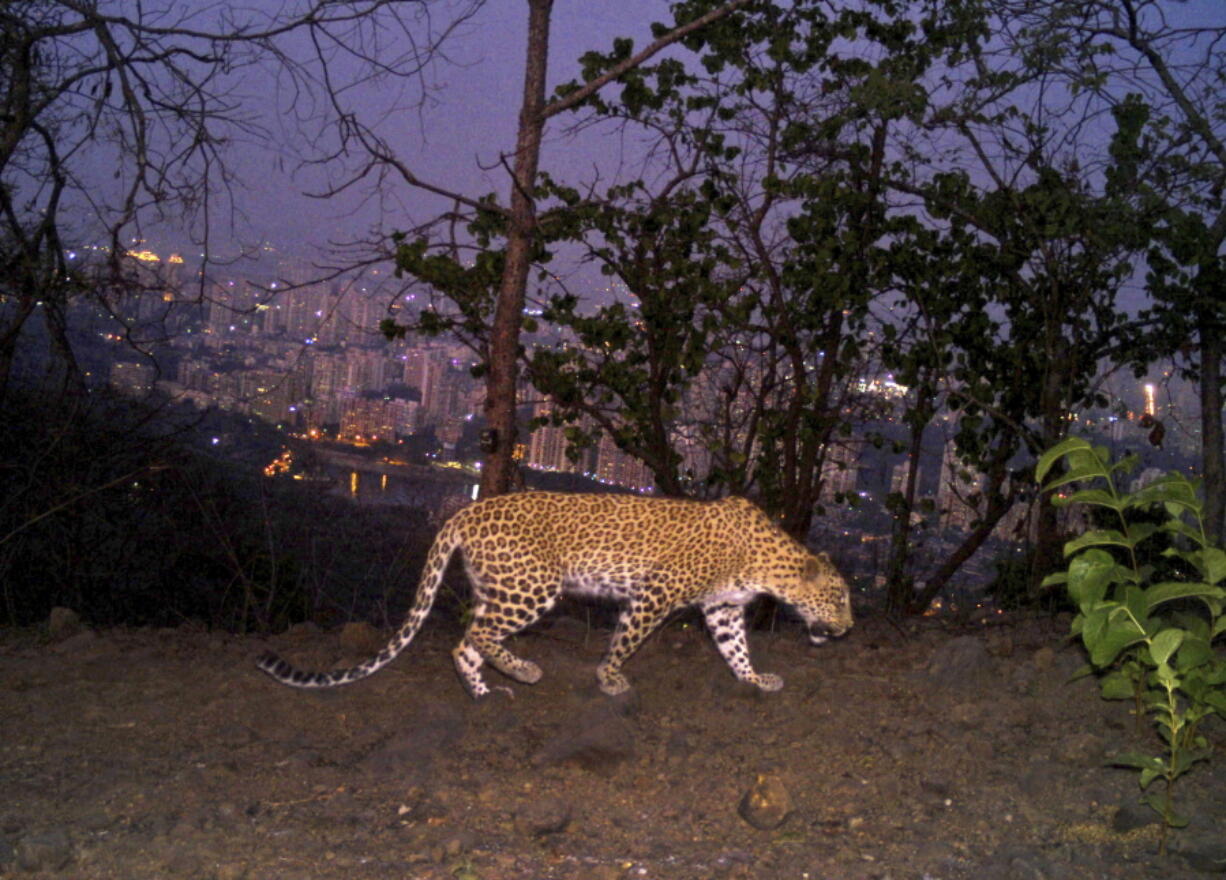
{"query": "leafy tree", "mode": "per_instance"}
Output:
(795, 126)
(631, 364)
(1163, 67)
(522, 234)
(1019, 279)
(149, 90)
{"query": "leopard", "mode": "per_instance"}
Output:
(650, 555)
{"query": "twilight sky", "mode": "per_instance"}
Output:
(456, 141)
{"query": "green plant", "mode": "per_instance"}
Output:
(1151, 640)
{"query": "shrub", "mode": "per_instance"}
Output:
(1150, 640)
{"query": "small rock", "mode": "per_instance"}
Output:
(49, 851)
(1001, 645)
(935, 786)
(1206, 856)
(966, 715)
(1131, 816)
(767, 803)
(548, 815)
(460, 841)
(362, 638)
(62, 623)
(1043, 658)
(231, 871)
(962, 662)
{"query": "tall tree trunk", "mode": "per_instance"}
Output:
(1211, 349)
(499, 466)
(1049, 541)
(496, 475)
(899, 587)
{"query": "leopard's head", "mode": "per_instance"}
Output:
(823, 599)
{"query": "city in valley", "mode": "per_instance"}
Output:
(265, 341)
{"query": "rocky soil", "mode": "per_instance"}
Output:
(932, 751)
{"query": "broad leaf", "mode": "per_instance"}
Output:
(1164, 644)
(1118, 686)
(1061, 449)
(1193, 652)
(1172, 488)
(1089, 575)
(1138, 761)
(1097, 538)
(1157, 801)
(1098, 497)
(1214, 567)
(1168, 590)
(1108, 631)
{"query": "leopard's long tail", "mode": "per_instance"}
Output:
(432, 575)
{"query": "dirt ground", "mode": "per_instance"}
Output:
(935, 751)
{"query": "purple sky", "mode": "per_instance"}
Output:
(454, 142)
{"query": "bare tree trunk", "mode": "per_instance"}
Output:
(496, 475)
(499, 465)
(1211, 424)
(936, 584)
(899, 587)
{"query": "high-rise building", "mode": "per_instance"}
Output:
(132, 377)
(368, 419)
(619, 469)
(899, 474)
(548, 444)
(840, 470)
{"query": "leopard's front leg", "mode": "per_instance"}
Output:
(726, 624)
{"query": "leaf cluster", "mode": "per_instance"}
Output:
(1152, 641)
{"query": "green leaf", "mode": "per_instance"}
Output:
(1214, 567)
(1061, 449)
(1117, 686)
(1170, 489)
(1081, 672)
(1157, 802)
(1167, 678)
(1098, 497)
(1186, 758)
(1138, 761)
(1107, 631)
(1193, 652)
(1180, 527)
(1168, 590)
(1096, 538)
(1134, 601)
(1164, 644)
(1089, 575)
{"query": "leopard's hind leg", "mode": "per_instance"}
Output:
(493, 620)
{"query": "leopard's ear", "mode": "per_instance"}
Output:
(824, 556)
